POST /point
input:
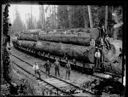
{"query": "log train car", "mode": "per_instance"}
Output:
(73, 46)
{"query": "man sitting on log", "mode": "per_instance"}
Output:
(36, 69)
(47, 66)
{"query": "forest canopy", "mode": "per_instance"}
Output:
(72, 16)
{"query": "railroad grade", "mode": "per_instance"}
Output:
(18, 69)
(31, 58)
(58, 78)
(67, 93)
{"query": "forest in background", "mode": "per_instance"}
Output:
(72, 16)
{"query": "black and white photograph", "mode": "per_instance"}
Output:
(62, 50)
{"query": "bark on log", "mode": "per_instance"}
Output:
(60, 49)
(31, 37)
(115, 50)
(70, 39)
(80, 53)
(114, 67)
(74, 51)
(80, 38)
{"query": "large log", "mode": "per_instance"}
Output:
(75, 51)
(60, 49)
(28, 36)
(114, 67)
(114, 52)
(80, 53)
(70, 39)
(80, 38)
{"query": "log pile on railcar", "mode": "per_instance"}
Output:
(74, 46)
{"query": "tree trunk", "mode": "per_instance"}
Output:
(85, 18)
(43, 17)
(90, 16)
(106, 17)
(69, 16)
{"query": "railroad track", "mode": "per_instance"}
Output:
(58, 89)
(71, 84)
(76, 86)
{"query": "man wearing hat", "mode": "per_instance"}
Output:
(36, 69)
(47, 66)
(57, 65)
(68, 70)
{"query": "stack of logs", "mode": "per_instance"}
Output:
(74, 46)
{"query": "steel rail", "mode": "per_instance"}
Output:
(43, 80)
(56, 77)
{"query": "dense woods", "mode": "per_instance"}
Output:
(72, 16)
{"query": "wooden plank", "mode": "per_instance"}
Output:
(56, 82)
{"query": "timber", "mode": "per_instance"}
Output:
(80, 53)
(70, 39)
(60, 49)
(73, 51)
(80, 38)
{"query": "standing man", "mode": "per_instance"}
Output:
(57, 65)
(47, 67)
(102, 49)
(107, 42)
(103, 31)
(68, 69)
(92, 42)
(36, 69)
(97, 58)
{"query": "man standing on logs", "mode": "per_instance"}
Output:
(107, 42)
(57, 64)
(68, 70)
(36, 69)
(47, 67)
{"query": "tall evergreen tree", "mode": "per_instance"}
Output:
(17, 25)
(30, 22)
